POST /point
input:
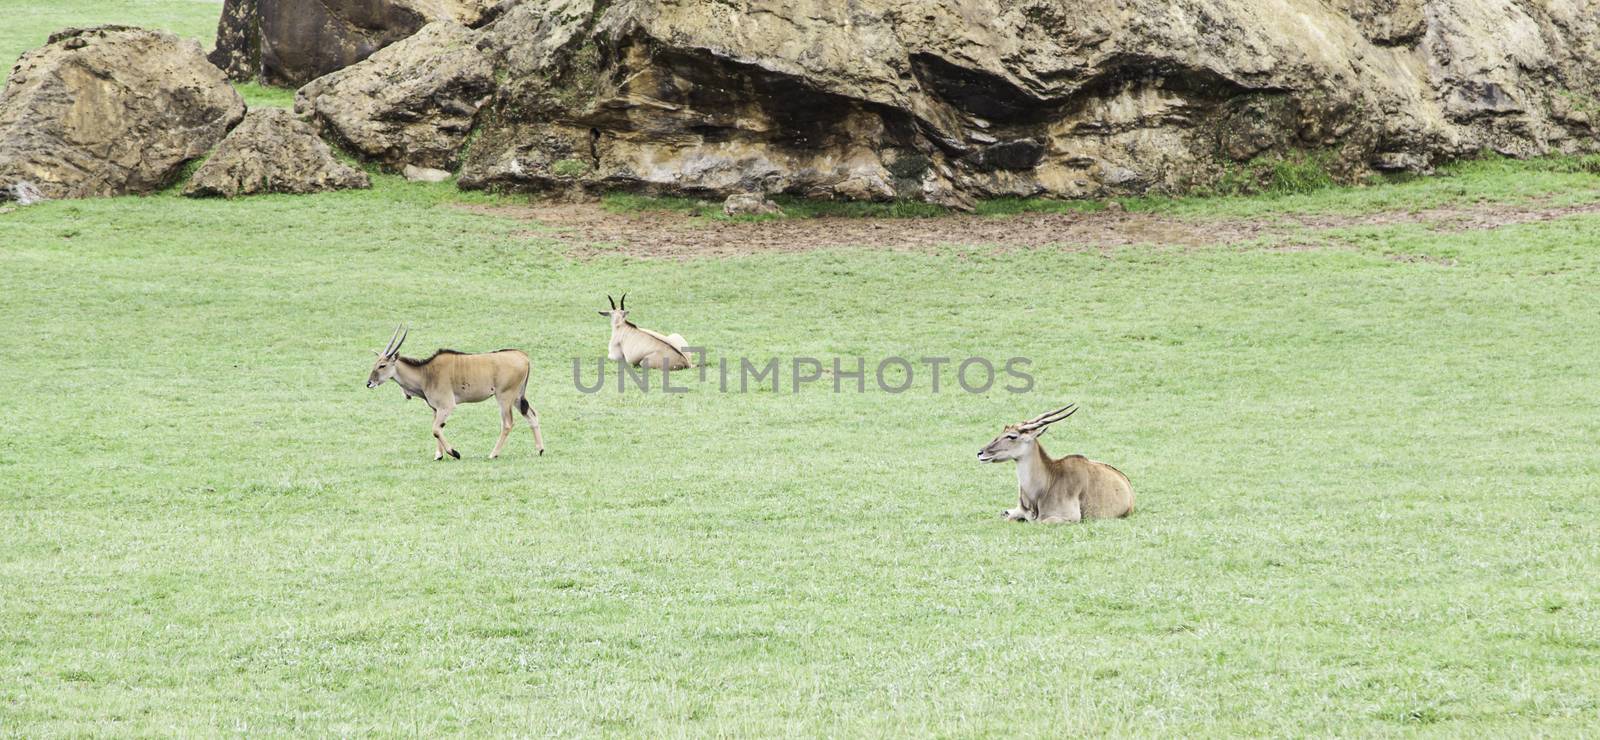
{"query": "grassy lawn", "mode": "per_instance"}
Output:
(1366, 484)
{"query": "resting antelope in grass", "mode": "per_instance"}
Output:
(450, 377)
(1054, 491)
(642, 347)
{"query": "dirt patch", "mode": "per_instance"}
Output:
(591, 229)
(1475, 217)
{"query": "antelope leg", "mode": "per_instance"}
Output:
(532, 415)
(505, 427)
(1070, 513)
(1018, 514)
(439, 416)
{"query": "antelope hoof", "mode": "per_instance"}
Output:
(541, 452)
(455, 454)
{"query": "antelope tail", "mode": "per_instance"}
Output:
(522, 397)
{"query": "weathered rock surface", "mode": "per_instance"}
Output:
(413, 103)
(109, 111)
(272, 152)
(877, 99)
(291, 42)
(23, 193)
(414, 173)
(749, 204)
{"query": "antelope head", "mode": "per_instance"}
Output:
(383, 369)
(618, 312)
(1017, 440)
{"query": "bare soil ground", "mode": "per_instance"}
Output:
(592, 229)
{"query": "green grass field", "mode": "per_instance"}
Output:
(1366, 482)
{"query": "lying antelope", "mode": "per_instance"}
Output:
(1055, 491)
(450, 377)
(642, 347)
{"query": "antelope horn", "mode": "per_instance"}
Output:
(1054, 419)
(624, 305)
(614, 301)
(1047, 413)
(403, 334)
(1051, 417)
(387, 348)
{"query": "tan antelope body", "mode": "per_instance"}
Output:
(1054, 491)
(642, 347)
(449, 378)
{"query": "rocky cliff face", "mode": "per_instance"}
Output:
(290, 42)
(876, 99)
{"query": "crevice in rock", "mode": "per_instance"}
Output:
(979, 93)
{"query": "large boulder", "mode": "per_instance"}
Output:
(413, 103)
(272, 152)
(291, 42)
(110, 110)
(876, 99)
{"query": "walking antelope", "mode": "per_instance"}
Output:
(450, 377)
(1054, 491)
(643, 347)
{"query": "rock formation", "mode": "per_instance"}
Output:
(750, 204)
(291, 42)
(272, 152)
(23, 193)
(413, 103)
(878, 99)
(424, 174)
(110, 110)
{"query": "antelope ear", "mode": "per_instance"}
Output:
(604, 313)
